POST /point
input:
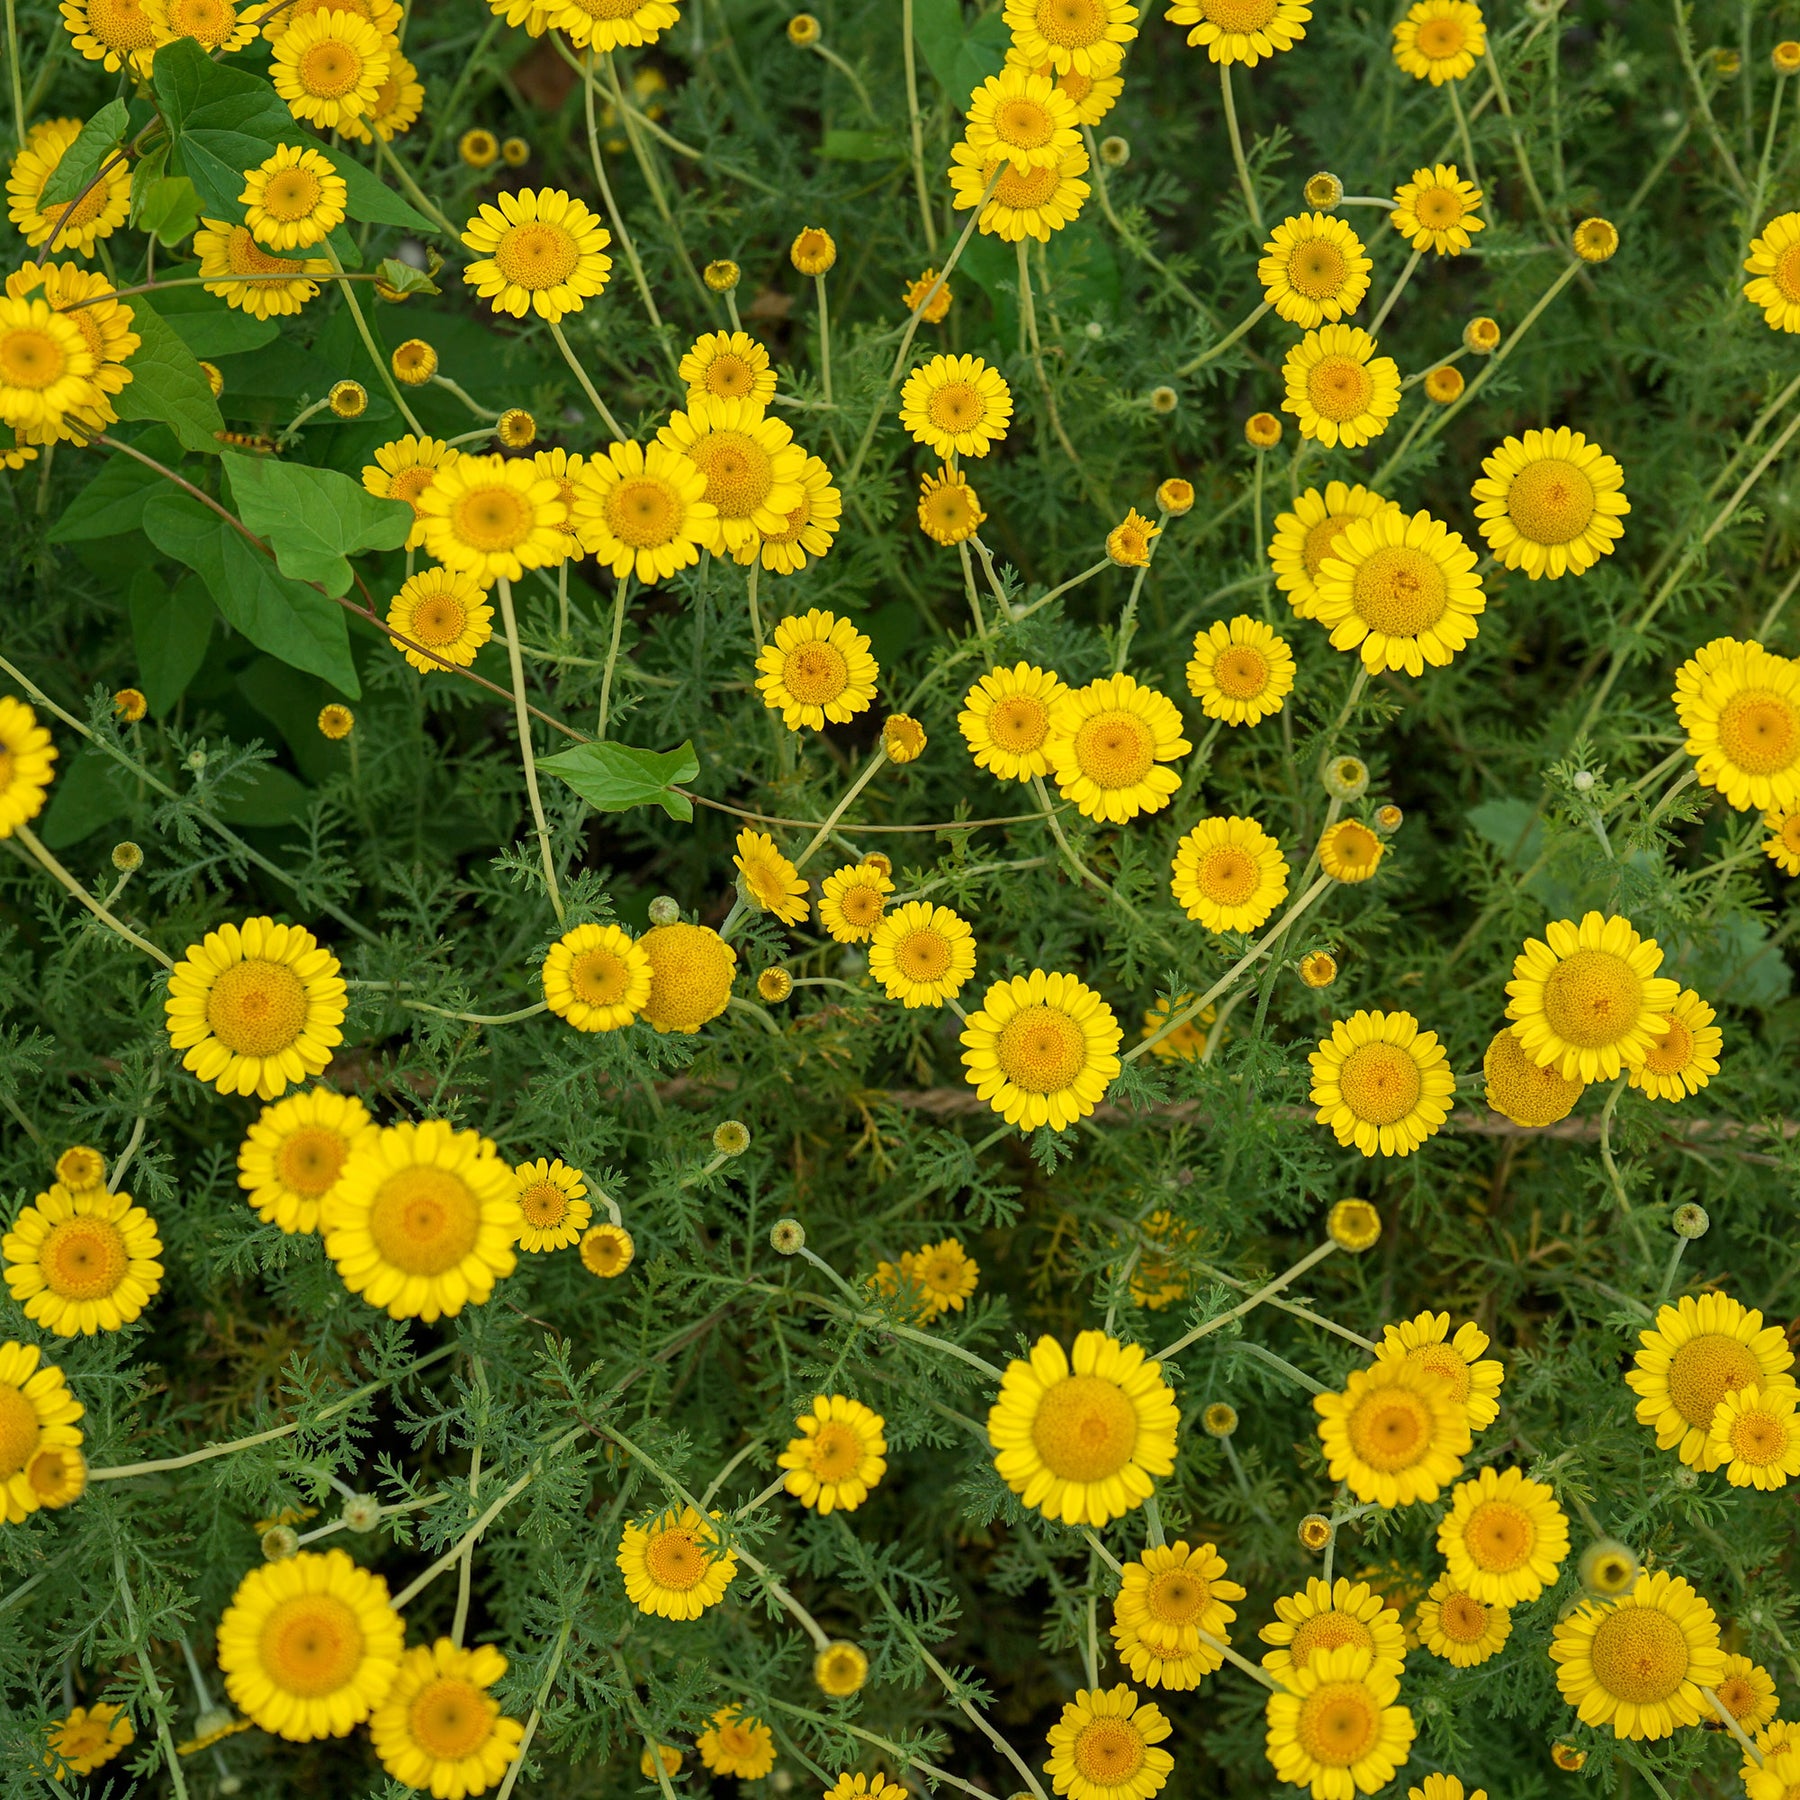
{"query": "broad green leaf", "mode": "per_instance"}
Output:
(862, 146)
(616, 777)
(97, 140)
(166, 382)
(111, 504)
(403, 278)
(213, 327)
(369, 198)
(222, 121)
(983, 54)
(171, 626)
(170, 208)
(938, 31)
(314, 518)
(272, 797)
(290, 620)
(90, 791)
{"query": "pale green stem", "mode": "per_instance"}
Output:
(386, 154)
(647, 164)
(537, 1711)
(455, 1553)
(468, 400)
(29, 839)
(968, 569)
(1237, 150)
(526, 750)
(824, 339)
(587, 387)
(756, 624)
(1518, 144)
(876, 763)
(1056, 593)
(1768, 150)
(368, 337)
(1394, 293)
(1231, 337)
(15, 52)
(612, 655)
(652, 1749)
(1462, 132)
(1726, 1717)
(818, 48)
(911, 58)
(171, 1761)
(1128, 616)
(1317, 1254)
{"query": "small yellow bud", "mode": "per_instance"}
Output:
(1354, 1225)
(1175, 497)
(214, 378)
(127, 857)
(1482, 336)
(1262, 431)
(1596, 240)
(774, 985)
(336, 721)
(1444, 385)
(414, 362)
(349, 399)
(478, 148)
(903, 738)
(814, 251)
(1318, 969)
(130, 704)
(515, 152)
(803, 30)
(1315, 1532)
(1323, 191)
(1164, 400)
(516, 429)
(722, 276)
(1219, 1420)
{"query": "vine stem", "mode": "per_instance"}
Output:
(525, 748)
(368, 337)
(1237, 149)
(876, 763)
(29, 839)
(587, 387)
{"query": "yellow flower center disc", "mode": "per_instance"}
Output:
(1239, 15)
(956, 406)
(1389, 1429)
(291, 194)
(18, 1431)
(84, 1258)
(1021, 723)
(1462, 1618)
(609, 9)
(244, 256)
(599, 977)
(949, 508)
(1356, 846)
(1327, 1631)
(738, 472)
(1380, 1083)
(923, 955)
(1439, 208)
(1339, 387)
(310, 1160)
(206, 21)
(51, 1471)
(1786, 273)
(863, 905)
(1085, 1429)
(674, 1559)
(728, 376)
(491, 518)
(1592, 998)
(31, 359)
(439, 618)
(1757, 1437)
(121, 24)
(424, 1220)
(328, 70)
(1551, 501)
(841, 1671)
(1670, 1053)
(1759, 731)
(1737, 1696)
(1073, 24)
(1177, 1596)
(736, 1741)
(449, 1719)
(544, 1204)
(536, 254)
(1108, 1751)
(1024, 189)
(1316, 268)
(1242, 673)
(311, 1645)
(257, 1007)
(1399, 591)
(1338, 1723)
(836, 1451)
(643, 512)
(1115, 749)
(815, 673)
(1024, 123)
(1704, 1370)
(1499, 1537)
(1447, 1364)
(1639, 1655)
(1041, 1050)
(1441, 38)
(1226, 876)
(1319, 540)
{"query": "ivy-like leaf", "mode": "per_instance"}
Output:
(617, 777)
(97, 140)
(166, 383)
(314, 519)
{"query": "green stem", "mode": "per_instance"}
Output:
(1267, 1292)
(1394, 293)
(1462, 133)
(612, 656)
(1224, 343)
(387, 156)
(141, 1650)
(652, 180)
(368, 337)
(824, 339)
(15, 52)
(910, 56)
(29, 839)
(525, 746)
(587, 387)
(876, 763)
(1237, 150)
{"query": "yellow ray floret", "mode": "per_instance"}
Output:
(82, 1262)
(1440, 40)
(1774, 265)
(1743, 723)
(537, 251)
(1305, 537)
(1332, 1615)
(1504, 1539)
(1108, 1746)
(840, 1454)
(642, 509)
(922, 953)
(1550, 503)
(1402, 591)
(956, 405)
(1686, 1057)
(1242, 672)
(439, 1728)
(816, 667)
(1338, 388)
(1435, 211)
(1108, 746)
(1005, 720)
(1233, 31)
(1340, 1731)
(1462, 1630)
(1088, 36)
(293, 1157)
(1314, 269)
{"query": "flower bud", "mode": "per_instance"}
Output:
(1389, 818)
(664, 911)
(127, 858)
(362, 1512)
(349, 399)
(280, 1542)
(336, 722)
(516, 428)
(1323, 191)
(1315, 1532)
(1164, 399)
(903, 738)
(731, 1138)
(803, 30)
(1318, 969)
(774, 984)
(721, 276)
(1354, 1225)
(1691, 1221)
(1219, 1420)
(1608, 1569)
(1262, 431)
(1445, 385)
(814, 251)
(1176, 497)
(787, 1237)
(1596, 240)
(1115, 152)
(514, 152)
(1346, 777)
(1482, 336)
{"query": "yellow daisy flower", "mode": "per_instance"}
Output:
(1338, 388)
(1779, 1773)
(1504, 1539)
(403, 470)
(603, 25)
(1395, 1434)
(607, 1251)
(1440, 40)
(809, 529)
(1242, 672)
(922, 954)
(439, 1727)
(1461, 1629)
(1742, 717)
(1381, 1083)
(839, 1455)
(310, 1645)
(956, 405)
(1686, 1057)
(733, 1746)
(1754, 1436)
(82, 1262)
(691, 971)
(38, 1434)
(1092, 96)
(47, 370)
(1332, 1615)
(1042, 1050)
(1783, 849)
(422, 1220)
(384, 15)
(1107, 746)
(443, 611)
(1435, 211)
(1550, 503)
(1314, 269)
(1748, 1690)
(550, 1196)
(1340, 1731)
(1168, 1595)
(816, 667)
(1080, 1438)
(1307, 535)
(949, 510)
(561, 466)
(328, 65)
(1520, 1090)
(1698, 1352)
(1025, 203)
(728, 365)
(1587, 999)
(755, 472)
(113, 33)
(492, 516)
(88, 1738)
(1006, 717)
(1107, 1746)
(945, 1275)
(82, 299)
(927, 283)
(1402, 590)
(1241, 31)
(293, 1157)
(98, 214)
(774, 885)
(1022, 117)
(1640, 1664)
(1229, 874)
(26, 754)
(852, 901)
(397, 103)
(238, 269)
(1128, 543)
(1473, 1381)
(643, 508)
(597, 978)
(256, 1008)
(1774, 261)
(538, 251)
(1088, 36)
(293, 198)
(1186, 1043)
(673, 1567)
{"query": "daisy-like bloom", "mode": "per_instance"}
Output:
(256, 1008)
(1025, 203)
(1170, 1594)
(728, 365)
(667, 1755)
(293, 1157)
(1229, 874)
(47, 370)
(114, 33)
(328, 66)
(927, 283)
(1747, 1691)
(1349, 851)
(1307, 535)
(1550, 503)
(1332, 1615)
(839, 1455)
(1783, 849)
(229, 256)
(922, 954)
(733, 1746)
(643, 508)
(1339, 1731)
(384, 15)
(816, 667)
(443, 611)
(439, 1727)
(956, 405)
(1107, 746)
(949, 511)
(772, 883)
(293, 198)
(1186, 1043)
(1473, 1381)
(1042, 1050)
(1088, 36)
(537, 251)
(1242, 31)
(809, 529)
(1520, 1090)
(1107, 1746)
(1698, 1352)
(1440, 40)
(562, 466)
(1381, 1083)
(423, 1219)
(607, 1251)
(1401, 590)
(550, 1199)
(1460, 1628)
(852, 901)
(1686, 1057)
(310, 1645)
(673, 1567)
(1639, 1664)
(755, 472)
(1587, 999)
(854, 1787)
(902, 738)
(396, 105)
(1338, 388)
(37, 1419)
(596, 978)
(86, 301)
(1313, 269)
(1435, 211)
(1242, 672)
(1092, 96)
(26, 754)
(1128, 543)
(1396, 1433)
(1006, 717)
(492, 516)
(88, 1738)
(1743, 723)
(1081, 1438)
(1774, 262)
(99, 213)
(603, 25)
(1754, 1437)
(945, 1275)
(1023, 118)
(1504, 1539)
(82, 1262)
(1779, 1772)
(691, 971)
